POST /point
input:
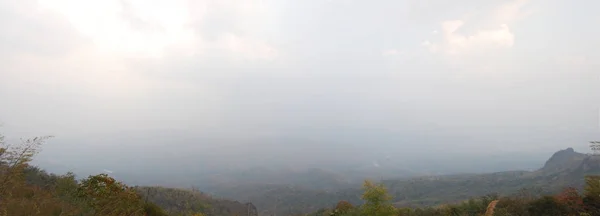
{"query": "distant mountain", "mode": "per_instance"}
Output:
(315, 178)
(284, 191)
(563, 160)
(287, 200)
(310, 190)
(565, 168)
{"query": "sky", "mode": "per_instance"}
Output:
(328, 80)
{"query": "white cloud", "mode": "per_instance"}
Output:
(457, 43)
(510, 12)
(495, 32)
(155, 28)
(104, 56)
(84, 56)
(103, 22)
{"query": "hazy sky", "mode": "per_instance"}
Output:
(277, 77)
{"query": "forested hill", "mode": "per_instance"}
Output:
(174, 200)
(569, 202)
(26, 190)
(563, 169)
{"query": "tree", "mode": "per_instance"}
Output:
(515, 206)
(28, 190)
(452, 211)
(108, 197)
(592, 186)
(377, 200)
(14, 160)
(405, 211)
(546, 205)
(343, 206)
(151, 209)
(591, 199)
(22, 196)
(571, 199)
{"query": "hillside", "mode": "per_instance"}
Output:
(568, 202)
(173, 201)
(285, 199)
(285, 191)
(298, 192)
(181, 201)
(29, 190)
(564, 168)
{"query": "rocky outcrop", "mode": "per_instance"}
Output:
(563, 160)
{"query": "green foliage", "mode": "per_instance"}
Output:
(21, 193)
(591, 198)
(571, 200)
(405, 211)
(190, 201)
(343, 207)
(350, 212)
(377, 200)
(109, 197)
(14, 160)
(512, 205)
(152, 209)
(568, 203)
(547, 205)
(28, 190)
(592, 186)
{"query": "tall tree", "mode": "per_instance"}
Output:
(571, 199)
(591, 199)
(547, 205)
(13, 161)
(17, 196)
(109, 197)
(377, 200)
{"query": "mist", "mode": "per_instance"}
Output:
(180, 87)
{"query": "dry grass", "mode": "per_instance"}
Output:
(490, 208)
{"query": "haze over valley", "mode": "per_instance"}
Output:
(223, 107)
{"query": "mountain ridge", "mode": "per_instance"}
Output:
(564, 168)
